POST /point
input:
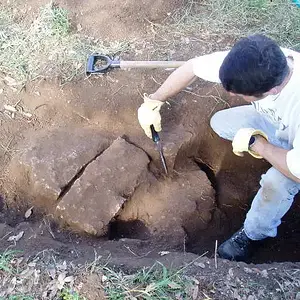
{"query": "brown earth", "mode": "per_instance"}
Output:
(205, 198)
(112, 20)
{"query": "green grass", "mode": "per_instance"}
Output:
(153, 283)
(6, 267)
(278, 19)
(5, 261)
(48, 47)
(70, 295)
(18, 297)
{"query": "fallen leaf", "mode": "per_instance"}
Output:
(15, 238)
(61, 277)
(104, 278)
(51, 272)
(26, 114)
(248, 270)
(10, 81)
(28, 212)
(69, 279)
(12, 286)
(195, 292)
(264, 273)
(36, 277)
(174, 285)
(199, 264)
(196, 281)
(163, 253)
(32, 264)
(230, 272)
(9, 108)
(150, 287)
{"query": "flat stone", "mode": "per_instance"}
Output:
(98, 195)
(48, 160)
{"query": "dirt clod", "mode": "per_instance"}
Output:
(172, 207)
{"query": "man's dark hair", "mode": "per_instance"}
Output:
(254, 66)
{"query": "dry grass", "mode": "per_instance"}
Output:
(48, 47)
(234, 18)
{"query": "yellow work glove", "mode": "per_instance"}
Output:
(148, 114)
(242, 141)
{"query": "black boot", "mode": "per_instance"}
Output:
(237, 248)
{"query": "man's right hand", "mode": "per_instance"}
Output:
(148, 114)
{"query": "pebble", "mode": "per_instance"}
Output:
(199, 264)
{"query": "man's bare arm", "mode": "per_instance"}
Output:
(176, 82)
(274, 155)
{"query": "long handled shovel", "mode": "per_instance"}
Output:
(99, 64)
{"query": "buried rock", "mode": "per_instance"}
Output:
(48, 161)
(172, 207)
(107, 182)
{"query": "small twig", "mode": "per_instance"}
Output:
(6, 149)
(117, 90)
(41, 105)
(281, 287)
(203, 162)
(189, 264)
(213, 110)
(159, 83)
(142, 96)
(194, 94)
(139, 256)
(216, 251)
(184, 246)
(220, 98)
(207, 297)
(43, 252)
(17, 103)
(49, 228)
(81, 116)
(6, 235)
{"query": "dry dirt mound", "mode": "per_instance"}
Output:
(86, 182)
(114, 20)
(182, 204)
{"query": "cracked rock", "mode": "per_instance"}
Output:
(47, 162)
(98, 195)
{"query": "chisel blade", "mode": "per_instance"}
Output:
(161, 154)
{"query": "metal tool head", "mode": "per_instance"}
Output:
(162, 157)
(100, 64)
(156, 140)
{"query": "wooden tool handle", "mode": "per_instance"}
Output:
(150, 64)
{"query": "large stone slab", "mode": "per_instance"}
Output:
(98, 195)
(48, 160)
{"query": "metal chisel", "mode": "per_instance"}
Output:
(156, 140)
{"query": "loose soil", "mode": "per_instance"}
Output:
(107, 105)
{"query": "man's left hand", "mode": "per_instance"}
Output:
(249, 140)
